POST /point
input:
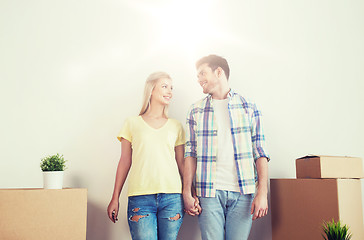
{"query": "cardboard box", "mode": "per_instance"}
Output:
(299, 207)
(37, 214)
(329, 167)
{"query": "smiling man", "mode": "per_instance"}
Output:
(225, 157)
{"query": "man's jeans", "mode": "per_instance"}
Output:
(226, 216)
(155, 216)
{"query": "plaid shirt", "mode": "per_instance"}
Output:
(247, 136)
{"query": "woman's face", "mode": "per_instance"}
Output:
(162, 92)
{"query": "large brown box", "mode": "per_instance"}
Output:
(329, 167)
(299, 207)
(37, 214)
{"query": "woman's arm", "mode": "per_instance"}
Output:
(192, 205)
(121, 174)
(179, 154)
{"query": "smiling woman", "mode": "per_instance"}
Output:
(152, 149)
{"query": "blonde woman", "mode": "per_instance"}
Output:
(152, 149)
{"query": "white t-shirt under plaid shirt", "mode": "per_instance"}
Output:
(247, 136)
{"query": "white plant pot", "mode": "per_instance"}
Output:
(53, 179)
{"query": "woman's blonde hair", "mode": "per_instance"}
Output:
(149, 86)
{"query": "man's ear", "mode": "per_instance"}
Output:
(219, 71)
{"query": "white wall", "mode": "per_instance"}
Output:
(72, 71)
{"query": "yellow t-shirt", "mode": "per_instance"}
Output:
(154, 168)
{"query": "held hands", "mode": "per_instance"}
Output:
(260, 206)
(113, 210)
(192, 205)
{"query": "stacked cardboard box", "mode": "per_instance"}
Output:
(39, 214)
(326, 188)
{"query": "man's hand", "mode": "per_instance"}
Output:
(192, 205)
(260, 206)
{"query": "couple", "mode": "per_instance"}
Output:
(220, 159)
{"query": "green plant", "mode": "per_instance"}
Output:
(334, 231)
(53, 163)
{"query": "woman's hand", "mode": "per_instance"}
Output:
(192, 205)
(113, 210)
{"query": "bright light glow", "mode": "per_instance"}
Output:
(182, 24)
(185, 23)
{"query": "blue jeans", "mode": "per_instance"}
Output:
(155, 216)
(226, 216)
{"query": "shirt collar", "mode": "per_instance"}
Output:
(231, 93)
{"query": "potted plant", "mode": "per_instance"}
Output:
(53, 167)
(335, 231)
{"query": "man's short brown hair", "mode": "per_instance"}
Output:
(214, 61)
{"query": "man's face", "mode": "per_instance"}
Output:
(207, 78)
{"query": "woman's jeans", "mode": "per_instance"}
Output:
(226, 216)
(155, 216)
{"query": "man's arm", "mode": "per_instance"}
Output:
(260, 203)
